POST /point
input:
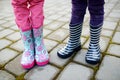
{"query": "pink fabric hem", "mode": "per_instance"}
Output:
(37, 27)
(42, 63)
(23, 30)
(28, 13)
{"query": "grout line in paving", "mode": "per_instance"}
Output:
(104, 54)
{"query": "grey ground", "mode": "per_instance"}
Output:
(57, 16)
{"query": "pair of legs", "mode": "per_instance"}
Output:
(29, 18)
(96, 10)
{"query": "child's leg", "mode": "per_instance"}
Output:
(78, 12)
(21, 14)
(96, 9)
(41, 54)
(37, 14)
(22, 19)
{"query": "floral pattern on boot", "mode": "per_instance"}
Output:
(41, 54)
(27, 60)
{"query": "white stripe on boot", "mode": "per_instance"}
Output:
(73, 43)
(93, 55)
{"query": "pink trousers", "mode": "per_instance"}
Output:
(28, 13)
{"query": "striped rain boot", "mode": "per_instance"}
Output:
(27, 60)
(73, 44)
(41, 54)
(93, 55)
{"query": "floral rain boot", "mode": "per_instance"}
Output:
(41, 54)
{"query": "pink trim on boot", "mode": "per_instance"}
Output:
(28, 66)
(41, 59)
(27, 60)
(42, 63)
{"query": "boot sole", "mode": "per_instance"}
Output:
(69, 54)
(42, 63)
(28, 66)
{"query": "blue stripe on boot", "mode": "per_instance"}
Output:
(73, 44)
(93, 55)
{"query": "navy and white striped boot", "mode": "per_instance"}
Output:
(93, 55)
(73, 44)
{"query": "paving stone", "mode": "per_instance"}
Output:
(55, 59)
(86, 24)
(85, 31)
(14, 27)
(7, 24)
(68, 15)
(2, 21)
(116, 37)
(113, 1)
(82, 40)
(57, 15)
(106, 1)
(14, 37)
(86, 19)
(4, 43)
(53, 17)
(49, 13)
(9, 18)
(115, 14)
(1, 17)
(109, 25)
(62, 12)
(104, 41)
(107, 11)
(109, 69)
(71, 72)
(52, 9)
(46, 32)
(47, 21)
(112, 19)
(107, 33)
(66, 26)
(6, 55)
(117, 7)
(114, 49)
(59, 34)
(38, 73)
(80, 58)
(5, 32)
(63, 19)
(109, 6)
(116, 10)
(15, 67)
(6, 76)
(118, 29)
(55, 25)
(18, 46)
(1, 28)
(12, 21)
(50, 44)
